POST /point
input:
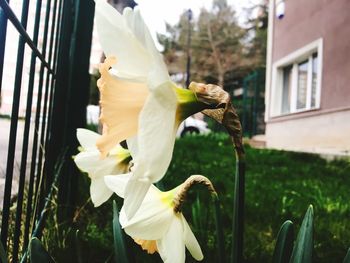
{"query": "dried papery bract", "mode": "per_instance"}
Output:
(220, 109)
(181, 194)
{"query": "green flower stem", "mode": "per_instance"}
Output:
(120, 248)
(219, 230)
(238, 212)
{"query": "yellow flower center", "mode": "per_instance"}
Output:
(168, 197)
(188, 103)
(120, 153)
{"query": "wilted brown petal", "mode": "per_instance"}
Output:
(180, 196)
(220, 109)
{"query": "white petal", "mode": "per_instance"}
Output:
(99, 192)
(152, 220)
(118, 40)
(171, 247)
(132, 146)
(87, 139)
(117, 183)
(135, 192)
(159, 72)
(137, 25)
(91, 163)
(191, 241)
(156, 138)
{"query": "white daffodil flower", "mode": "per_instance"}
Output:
(138, 98)
(155, 226)
(89, 161)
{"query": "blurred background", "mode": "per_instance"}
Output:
(286, 66)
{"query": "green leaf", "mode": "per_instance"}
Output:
(219, 231)
(284, 243)
(3, 257)
(120, 252)
(78, 247)
(38, 253)
(198, 217)
(347, 257)
(238, 213)
(302, 252)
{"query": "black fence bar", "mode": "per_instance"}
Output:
(58, 122)
(17, 24)
(36, 168)
(13, 128)
(54, 66)
(77, 99)
(28, 119)
(3, 30)
(25, 143)
(62, 95)
(41, 196)
(48, 161)
(49, 89)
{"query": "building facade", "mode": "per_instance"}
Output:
(308, 75)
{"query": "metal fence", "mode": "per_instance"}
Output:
(253, 104)
(60, 43)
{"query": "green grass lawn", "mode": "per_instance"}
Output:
(279, 186)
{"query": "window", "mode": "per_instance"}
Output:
(296, 81)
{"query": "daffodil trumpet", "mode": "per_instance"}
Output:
(88, 160)
(159, 225)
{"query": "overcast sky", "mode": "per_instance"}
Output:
(156, 12)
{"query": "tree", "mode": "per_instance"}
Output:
(217, 48)
(222, 52)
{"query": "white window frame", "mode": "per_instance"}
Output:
(294, 58)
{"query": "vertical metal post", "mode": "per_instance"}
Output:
(255, 102)
(53, 83)
(244, 106)
(77, 98)
(39, 117)
(3, 29)
(188, 65)
(13, 129)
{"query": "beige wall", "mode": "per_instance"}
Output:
(309, 20)
(326, 133)
(329, 126)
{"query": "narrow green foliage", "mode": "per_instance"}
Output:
(78, 247)
(3, 257)
(347, 257)
(302, 252)
(284, 243)
(38, 253)
(238, 213)
(219, 231)
(196, 214)
(120, 253)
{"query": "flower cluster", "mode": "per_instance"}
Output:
(142, 106)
